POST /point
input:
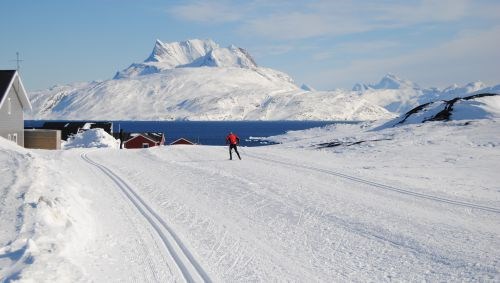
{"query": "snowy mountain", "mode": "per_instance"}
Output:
(391, 81)
(399, 95)
(191, 53)
(198, 80)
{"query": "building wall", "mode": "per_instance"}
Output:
(12, 124)
(43, 139)
(137, 142)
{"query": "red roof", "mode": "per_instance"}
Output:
(181, 141)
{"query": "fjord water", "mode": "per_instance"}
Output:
(251, 133)
(215, 132)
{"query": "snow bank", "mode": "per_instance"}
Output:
(43, 218)
(91, 138)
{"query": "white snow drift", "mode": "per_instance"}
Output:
(91, 138)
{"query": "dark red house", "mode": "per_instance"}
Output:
(182, 141)
(144, 140)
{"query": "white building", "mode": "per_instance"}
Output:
(13, 101)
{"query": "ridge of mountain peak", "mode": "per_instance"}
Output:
(391, 81)
(189, 53)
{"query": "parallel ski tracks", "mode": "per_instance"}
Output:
(381, 186)
(190, 269)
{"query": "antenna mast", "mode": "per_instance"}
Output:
(18, 61)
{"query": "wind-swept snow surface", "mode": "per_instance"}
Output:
(342, 203)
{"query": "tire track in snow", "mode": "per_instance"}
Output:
(191, 270)
(381, 186)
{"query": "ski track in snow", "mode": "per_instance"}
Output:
(311, 235)
(187, 264)
(275, 216)
(381, 186)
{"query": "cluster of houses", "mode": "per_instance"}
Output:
(14, 101)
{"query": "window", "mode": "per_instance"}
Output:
(9, 106)
(12, 137)
(145, 145)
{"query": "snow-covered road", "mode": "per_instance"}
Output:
(189, 268)
(271, 217)
(283, 213)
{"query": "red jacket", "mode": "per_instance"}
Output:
(232, 139)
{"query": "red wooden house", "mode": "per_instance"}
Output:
(182, 141)
(144, 140)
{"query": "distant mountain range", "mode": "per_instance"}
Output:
(199, 80)
(398, 95)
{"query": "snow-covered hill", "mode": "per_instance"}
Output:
(473, 107)
(399, 95)
(198, 80)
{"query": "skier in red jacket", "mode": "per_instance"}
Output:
(233, 140)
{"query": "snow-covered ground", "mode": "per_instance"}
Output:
(344, 203)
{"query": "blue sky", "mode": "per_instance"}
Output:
(326, 44)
